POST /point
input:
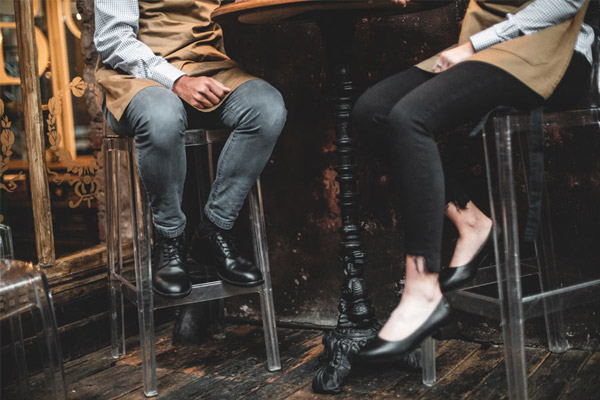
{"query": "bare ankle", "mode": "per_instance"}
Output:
(470, 220)
(423, 291)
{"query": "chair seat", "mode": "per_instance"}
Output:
(202, 137)
(518, 121)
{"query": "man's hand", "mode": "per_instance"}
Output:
(200, 92)
(403, 2)
(450, 58)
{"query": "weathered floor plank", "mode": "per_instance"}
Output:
(586, 384)
(235, 368)
(462, 379)
(448, 357)
(493, 387)
(555, 373)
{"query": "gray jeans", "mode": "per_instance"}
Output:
(157, 118)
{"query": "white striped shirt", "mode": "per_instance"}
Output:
(117, 26)
(536, 16)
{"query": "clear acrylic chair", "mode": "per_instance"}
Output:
(6, 246)
(123, 182)
(24, 290)
(508, 304)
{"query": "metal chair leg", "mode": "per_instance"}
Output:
(546, 262)
(261, 254)
(428, 361)
(143, 274)
(112, 168)
(508, 269)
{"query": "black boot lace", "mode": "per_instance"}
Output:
(172, 250)
(227, 243)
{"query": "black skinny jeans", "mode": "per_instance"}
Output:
(402, 116)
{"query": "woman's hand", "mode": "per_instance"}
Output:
(450, 58)
(403, 2)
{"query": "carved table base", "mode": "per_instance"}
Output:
(357, 323)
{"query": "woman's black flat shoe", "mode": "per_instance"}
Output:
(382, 351)
(452, 278)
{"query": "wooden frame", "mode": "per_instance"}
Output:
(79, 274)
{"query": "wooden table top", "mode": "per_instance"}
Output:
(276, 11)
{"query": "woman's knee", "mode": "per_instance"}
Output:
(364, 111)
(408, 120)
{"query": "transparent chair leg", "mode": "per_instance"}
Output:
(119, 230)
(32, 296)
(428, 361)
(143, 274)
(216, 307)
(509, 269)
(55, 375)
(547, 269)
(18, 350)
(549, 280)
(112, 165)
(261, 253)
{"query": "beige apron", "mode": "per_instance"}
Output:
(182, 32)
(539, 60)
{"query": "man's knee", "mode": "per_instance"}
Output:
(267, 110)
(157, 114)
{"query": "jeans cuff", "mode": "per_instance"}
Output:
(170, 233)
(221, 223)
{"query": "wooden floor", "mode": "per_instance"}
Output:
(235, 368)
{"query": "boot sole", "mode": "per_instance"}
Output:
(241, 284)
(171, 295)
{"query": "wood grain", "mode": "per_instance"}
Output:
(235, 368)
(34, 131)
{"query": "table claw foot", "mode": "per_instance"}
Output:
(340, 353)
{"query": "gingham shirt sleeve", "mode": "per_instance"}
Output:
(538, 15)
(117, 26)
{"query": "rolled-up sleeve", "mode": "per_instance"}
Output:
(536, 16)
(117, 26)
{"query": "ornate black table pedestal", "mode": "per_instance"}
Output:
(356, 323)
(337, 20)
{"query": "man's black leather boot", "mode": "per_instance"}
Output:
(214, 246)
(171, 277)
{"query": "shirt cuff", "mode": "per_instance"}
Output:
(494, 35)
(166, 74)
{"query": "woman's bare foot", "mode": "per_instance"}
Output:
(473, 227)
(420, 297)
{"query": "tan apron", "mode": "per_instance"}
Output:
(539, 60)
(182, 32)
